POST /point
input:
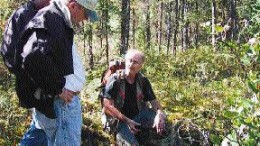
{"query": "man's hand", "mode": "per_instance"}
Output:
(159, 122)
(66, 95)
(133, 126)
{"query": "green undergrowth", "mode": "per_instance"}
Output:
(210, 88)
(13, 119)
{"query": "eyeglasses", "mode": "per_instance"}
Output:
(133, 61)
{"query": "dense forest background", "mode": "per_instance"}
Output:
(202, 60)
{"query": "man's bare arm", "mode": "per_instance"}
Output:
(110, 109)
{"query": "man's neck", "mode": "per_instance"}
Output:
(131, 78)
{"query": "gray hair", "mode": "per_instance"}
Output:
(135, 52)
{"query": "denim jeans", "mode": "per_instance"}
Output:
(34, 137)
(65, 130)
(125, 137)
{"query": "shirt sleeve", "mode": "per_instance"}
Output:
(75, 82)
(38, 62)
(147, 90)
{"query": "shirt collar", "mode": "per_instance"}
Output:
(64, 9)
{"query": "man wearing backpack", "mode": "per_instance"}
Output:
(50, 59)
(13, 30)
(126, 97)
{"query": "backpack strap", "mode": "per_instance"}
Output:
(139, 91)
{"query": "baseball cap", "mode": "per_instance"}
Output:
(90, 6)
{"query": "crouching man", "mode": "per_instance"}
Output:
(127, 97)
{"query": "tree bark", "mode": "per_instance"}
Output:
(213, 31)
(169, 25)
(101, 25)
(182, 29)
(133, 26)
(90, 48)
(147, 26)
(84, 44)
(157, 22)
(106, 16)
(176, 27)
(160, 26)
(186, 26)
(233, 16)
(196, 37)
(125, 22)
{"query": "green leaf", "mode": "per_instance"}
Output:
(250, 141)
(248, 120)
(246, 104)
(215, 139)
(246, 61)
(219, 29)
(230, 101)
(236, 123)
(252, 86)
(230, 114)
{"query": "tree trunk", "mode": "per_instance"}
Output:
(176, 27)
(169, 25)
(85, 44)
(101, 25)
(213, 31)
(157, 22)
(233, 16)
(186, 26)
(125, 21)
(90, 49)
(147, 26)
(160, 26)
(106, 30)
(227, 34)
(182, 29)
(196, 37)
(133, 26)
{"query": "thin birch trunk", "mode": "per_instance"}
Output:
(213, 31)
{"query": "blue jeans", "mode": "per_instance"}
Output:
(65, 130)
(34, 137)
(125, 137)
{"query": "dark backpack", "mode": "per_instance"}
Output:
(13, 33)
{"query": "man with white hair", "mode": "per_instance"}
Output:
(52, 70)
(126, 100)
